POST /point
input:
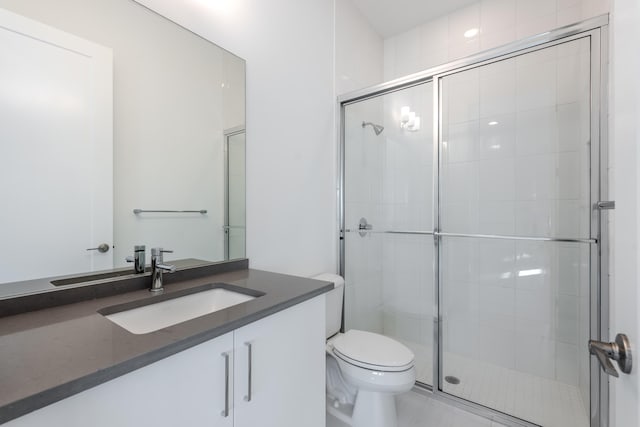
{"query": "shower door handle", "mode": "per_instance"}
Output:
(618, 350)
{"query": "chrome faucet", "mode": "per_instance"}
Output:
(138, 258)
(158, 267)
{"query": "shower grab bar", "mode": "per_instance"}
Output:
(480, 236)
(139, 211)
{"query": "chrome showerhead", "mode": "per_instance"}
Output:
(376, 128)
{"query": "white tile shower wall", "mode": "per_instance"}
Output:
(498, 22)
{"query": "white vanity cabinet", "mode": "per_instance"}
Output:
(284, 377)
(287, 369)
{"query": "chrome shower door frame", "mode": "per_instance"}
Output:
(597, 31)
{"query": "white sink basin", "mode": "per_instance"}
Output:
(159, 315)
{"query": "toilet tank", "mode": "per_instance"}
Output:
(334, 302)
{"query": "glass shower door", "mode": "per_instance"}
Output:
(516, 243)
(388, 211)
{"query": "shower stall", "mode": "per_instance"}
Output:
(471, 228)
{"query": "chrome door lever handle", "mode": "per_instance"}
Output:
(618, 350)
(603, 358)
(102, 248)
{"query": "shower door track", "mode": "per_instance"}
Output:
(597, 29)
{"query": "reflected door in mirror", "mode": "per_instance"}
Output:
(56, 162)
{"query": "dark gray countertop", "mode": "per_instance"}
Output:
(53, 353)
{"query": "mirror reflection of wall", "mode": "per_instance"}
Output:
(173, 94)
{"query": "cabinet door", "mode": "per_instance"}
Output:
(284, 383)
(186, 389)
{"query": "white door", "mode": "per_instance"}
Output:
(56, 157)
(624, 125)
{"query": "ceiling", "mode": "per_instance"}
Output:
(390, 17)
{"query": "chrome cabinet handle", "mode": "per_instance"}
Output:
(102, 248)
(247, 397)
(225, 411)
(619, 350)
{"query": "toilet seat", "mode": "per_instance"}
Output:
(372, 351)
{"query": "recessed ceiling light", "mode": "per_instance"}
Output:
(471, 32)
(493, 123)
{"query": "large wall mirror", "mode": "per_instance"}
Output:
(118, 128)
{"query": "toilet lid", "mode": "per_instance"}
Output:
(373, 351)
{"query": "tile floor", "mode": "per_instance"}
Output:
(417, 410)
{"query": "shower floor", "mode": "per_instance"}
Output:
(536, 399)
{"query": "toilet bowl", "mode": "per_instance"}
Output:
(365, 370)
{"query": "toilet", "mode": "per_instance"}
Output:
(365, 370)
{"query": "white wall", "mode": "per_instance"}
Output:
(625, 162)
(288, 46)
(359, 49)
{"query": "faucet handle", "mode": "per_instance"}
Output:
(160, 251)
(168, 268)
(157, 254)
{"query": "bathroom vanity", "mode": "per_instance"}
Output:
(260, 362)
